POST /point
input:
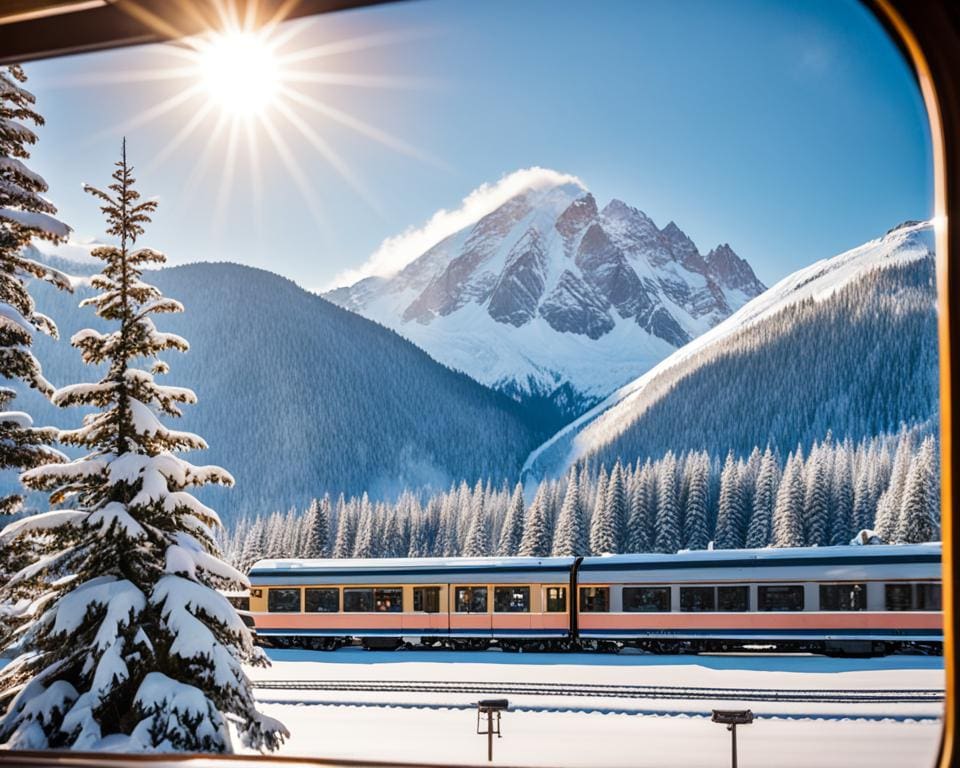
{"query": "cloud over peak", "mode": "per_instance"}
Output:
(395, 252)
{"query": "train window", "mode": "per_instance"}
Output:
(389, 600)
(929, 597)
(471, 600)
(556, 599)
(899, 597)
(646, 599)
(358, 600)
(426, 599)
(734, 599)
(594, 599)
(322, 600)
(781, 597)
(843, 597)
(697, 599)
(283, 600)
(511, 599)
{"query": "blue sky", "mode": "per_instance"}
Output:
(791, 130)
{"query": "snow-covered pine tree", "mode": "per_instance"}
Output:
(695, 533)
(730, 532)
(536, 540)
(920, 514)
(760, 530)
(511, 533)
(890, 503)
(602, 534)
(477, 541)
(24, 215)
(343, 540)
(252, 545)
(619, 507)
(864, 503)
(642, 510)
(841, 495)
(133, 646)
(364, 544)
(570, 535)
(816, 499)
(788, 512)
(667, 536)
(319, 533)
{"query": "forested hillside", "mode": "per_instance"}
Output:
(298, 397)
(848, 346)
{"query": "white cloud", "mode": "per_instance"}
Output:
(394, 253)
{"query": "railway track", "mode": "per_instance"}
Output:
(830, 696)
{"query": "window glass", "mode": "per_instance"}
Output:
(358, 600)
(781, 597)
(283, 600)
(843, 597)
(929, 597)
(426, 599)
(556, 599)
(322, 600)
(697, 599)
(388, 599)
(646, 599)
(735, 598)
(594, 599)
(899, 597)
(471, 600)
(511, 599)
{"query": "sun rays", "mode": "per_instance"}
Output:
(248, 94)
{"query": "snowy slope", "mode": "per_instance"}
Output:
(550, 297)
(298, 397)
(817, 284)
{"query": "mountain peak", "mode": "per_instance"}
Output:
(732, 271)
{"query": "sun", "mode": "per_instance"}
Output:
(240, 72)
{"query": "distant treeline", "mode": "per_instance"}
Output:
(889, 485)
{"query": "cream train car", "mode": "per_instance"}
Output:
(872, 599)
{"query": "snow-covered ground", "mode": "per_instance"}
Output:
(580, 730)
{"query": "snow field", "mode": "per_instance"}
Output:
(604, 731)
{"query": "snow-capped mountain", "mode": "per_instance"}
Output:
(297, 397)
(847, 345)
(550, 297)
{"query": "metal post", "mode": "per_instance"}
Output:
(489, 735)
(732, 718)
(733, 731)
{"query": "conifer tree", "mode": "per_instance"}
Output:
(25, 215)
(570, 535)
(343, 541)
(511, 534)
(619, 507)
(668, 507)
(133, 644)
(816, 498)
(642, 510)
(890, 503)
(695, 534)
(788, 513)
(918, 521)
(842, 520)
(318, 534)
(760, 530)
(477, 541)
(602, 534)
(536, 540)
(730, 533)
(252, 546)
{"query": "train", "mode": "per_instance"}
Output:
(843, 600)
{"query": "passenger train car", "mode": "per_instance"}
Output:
(864, 600)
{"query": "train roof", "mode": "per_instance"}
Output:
(768, 556)
(414, 563)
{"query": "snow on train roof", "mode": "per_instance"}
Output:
(394, 563)
(520, 563)
(771, 553)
